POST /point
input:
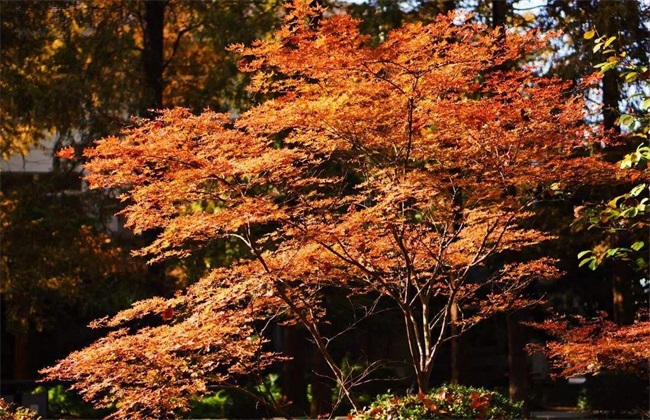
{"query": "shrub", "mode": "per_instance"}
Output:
(12, 412)
(445, 402)
(612, 394)
(63, 403)
(210, 406)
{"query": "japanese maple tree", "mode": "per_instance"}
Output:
(405, 170)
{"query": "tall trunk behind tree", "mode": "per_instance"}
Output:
(294, 384)
(21, 355)
(448, 6)
(321, 389)
(611, 98)
(517, 360)
(153, 66)
(622, 275)
(499, 12)
(619, 273)
(152, 55)
(499, 17)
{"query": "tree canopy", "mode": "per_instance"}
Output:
(400, 170)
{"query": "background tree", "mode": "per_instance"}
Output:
(597, 345)
(96, 64)
(55, 286)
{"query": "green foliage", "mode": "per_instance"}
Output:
(62, 403)
(270, 388)
(445, 402)
(236, 404)
(214, 405)
(613, 394)
(626, 213)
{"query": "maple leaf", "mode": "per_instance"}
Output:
(167, 314)
(66, 153)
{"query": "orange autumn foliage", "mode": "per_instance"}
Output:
(598, 345)
(403, 170)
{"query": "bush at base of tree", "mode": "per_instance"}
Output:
(12, 412)
(614, 395)
(445, 402)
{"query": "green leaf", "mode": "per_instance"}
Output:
(637, 245)
(583, 253)
(637, 190)
(630, 213)
(631, 76)
(589, 261)
(611, 252)
(645, 104)
(593, 264)
(608, 66)
(589, 34)
(626, 119)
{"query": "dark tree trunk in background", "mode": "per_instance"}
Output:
(517, 360)
(499, 12)
(153, 65)
(622, 275)
(21, 355)
(294, 383)
(321, 389)
(152, 56)
(448, 6)
(611, 98)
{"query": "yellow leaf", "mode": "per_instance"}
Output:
(609, 40)
(529, 17)
(589, 34)
(57, 44)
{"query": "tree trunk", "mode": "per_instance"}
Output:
(611, 98)
(448, 6)
(152, 55)
(456, 362)
(454, 316)
(21, 355)
(321, 391)
(517, 360)
(618, 272)
(499, 12)
(623, 305)
(153, 66)
(294, 385)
